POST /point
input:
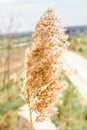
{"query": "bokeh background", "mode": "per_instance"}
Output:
(17, 22)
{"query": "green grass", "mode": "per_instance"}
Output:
(72, 110)
(79, 44)
(10, 102)
(10, 99)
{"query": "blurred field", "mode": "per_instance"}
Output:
(10, 99)
(71, 107)
(16, 60)
(79, 44)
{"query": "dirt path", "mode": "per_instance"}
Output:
(78, 66)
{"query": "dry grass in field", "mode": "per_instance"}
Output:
(43, 66)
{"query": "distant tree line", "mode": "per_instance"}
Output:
(76, 30)
(72, 30)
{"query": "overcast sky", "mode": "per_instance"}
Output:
(27, 12)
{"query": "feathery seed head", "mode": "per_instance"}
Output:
(43, 66)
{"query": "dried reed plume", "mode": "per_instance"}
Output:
(43, 66)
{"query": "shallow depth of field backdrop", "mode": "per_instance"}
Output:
(17, 21)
